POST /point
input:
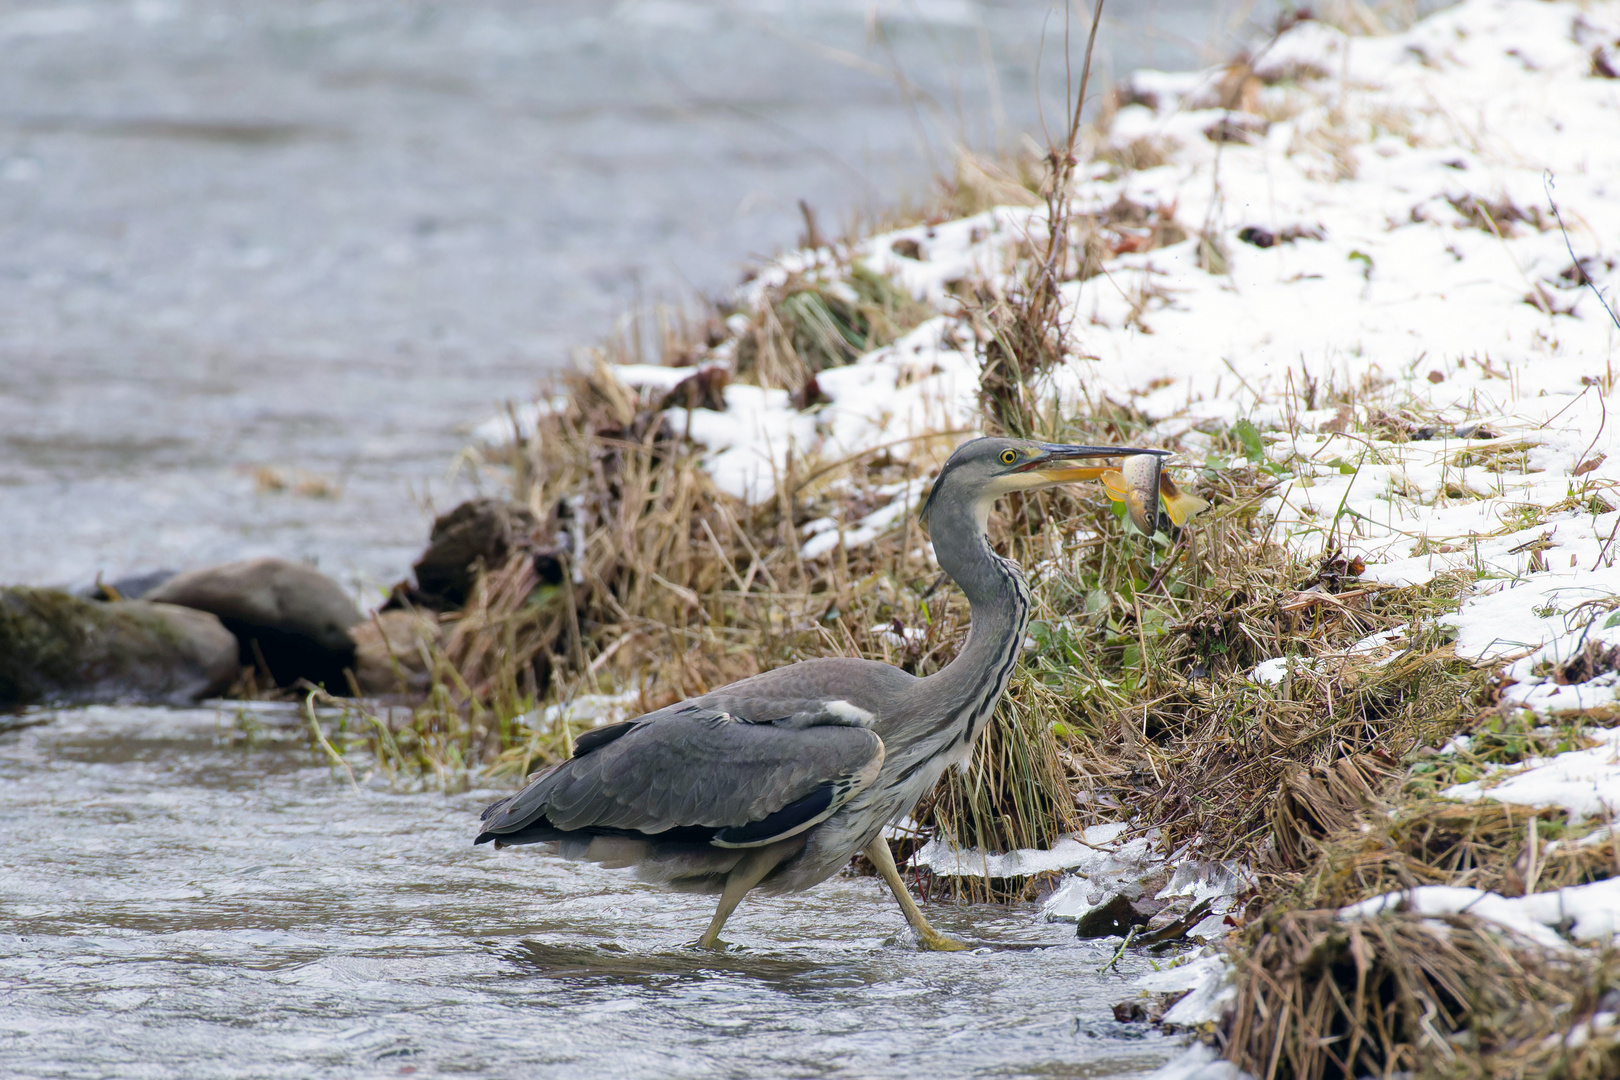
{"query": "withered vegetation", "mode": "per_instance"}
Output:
(1412, 995)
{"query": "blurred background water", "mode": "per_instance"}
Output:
(263, 264)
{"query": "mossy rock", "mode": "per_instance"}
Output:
(56, 648)
(291, 621)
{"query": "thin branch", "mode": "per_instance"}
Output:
(1548, 184)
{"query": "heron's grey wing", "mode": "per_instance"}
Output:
(753, 779)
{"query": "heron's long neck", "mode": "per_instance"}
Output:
(969, 686)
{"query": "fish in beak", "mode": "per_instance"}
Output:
(1146, 490)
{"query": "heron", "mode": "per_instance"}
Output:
(775, 782)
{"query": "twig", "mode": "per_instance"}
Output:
(1548, 184)
(1536, 297)
(1565, 409)
(1242, 380)
(1057, 217)
(1604, 550)
(1130, 935)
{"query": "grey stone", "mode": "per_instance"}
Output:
(289, 618)
(1114, 917)
(60, 648)
(392, 652)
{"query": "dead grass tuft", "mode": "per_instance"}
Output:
(1404, 994)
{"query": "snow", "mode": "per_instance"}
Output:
(1580, 913)
(1417, 270)
(1097, 852)
(1189, 976)
(1381, 647)
(749, 442)
(1199, 1062)
(1274, 671)
(1206, 1003)
(1586, 783)
(518, 425)
(903, 498)
(1402, 297)
(595, 709)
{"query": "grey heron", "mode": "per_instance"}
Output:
(774, 782)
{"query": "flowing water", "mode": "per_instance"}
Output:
(178, 898)
(261, 268)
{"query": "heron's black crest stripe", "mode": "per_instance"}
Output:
(951, 466)
(784, 820)
(599, 737)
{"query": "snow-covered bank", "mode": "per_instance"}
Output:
(1368, 271)
(1393, 305)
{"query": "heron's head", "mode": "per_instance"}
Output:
(983, 470)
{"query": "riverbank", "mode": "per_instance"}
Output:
(1357, 284)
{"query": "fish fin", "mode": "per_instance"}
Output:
(1181, 506)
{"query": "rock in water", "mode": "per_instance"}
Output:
(59, 648)
(393, 651)
(289, 619)
(1113, 917)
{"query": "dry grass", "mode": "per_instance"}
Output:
(1406, 995)
(821, 320)
(1133, 698)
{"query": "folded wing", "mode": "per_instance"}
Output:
(699, 771)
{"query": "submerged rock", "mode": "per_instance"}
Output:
(60, 648)
(393, 652)
(289, 619)
(1115, 916)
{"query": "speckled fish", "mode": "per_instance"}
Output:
(1148, 492)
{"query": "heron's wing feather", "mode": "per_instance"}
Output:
(697, 764)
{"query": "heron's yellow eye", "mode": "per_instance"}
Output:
(1009, 456)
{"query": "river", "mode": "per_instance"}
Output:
(185, 894)
(262, 267)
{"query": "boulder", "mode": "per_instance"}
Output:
(479, 531)
(389, 652)
(60, 648)
(1115, 916)
(290, 620)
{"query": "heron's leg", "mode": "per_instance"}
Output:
(749, 871)
(929, 938)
